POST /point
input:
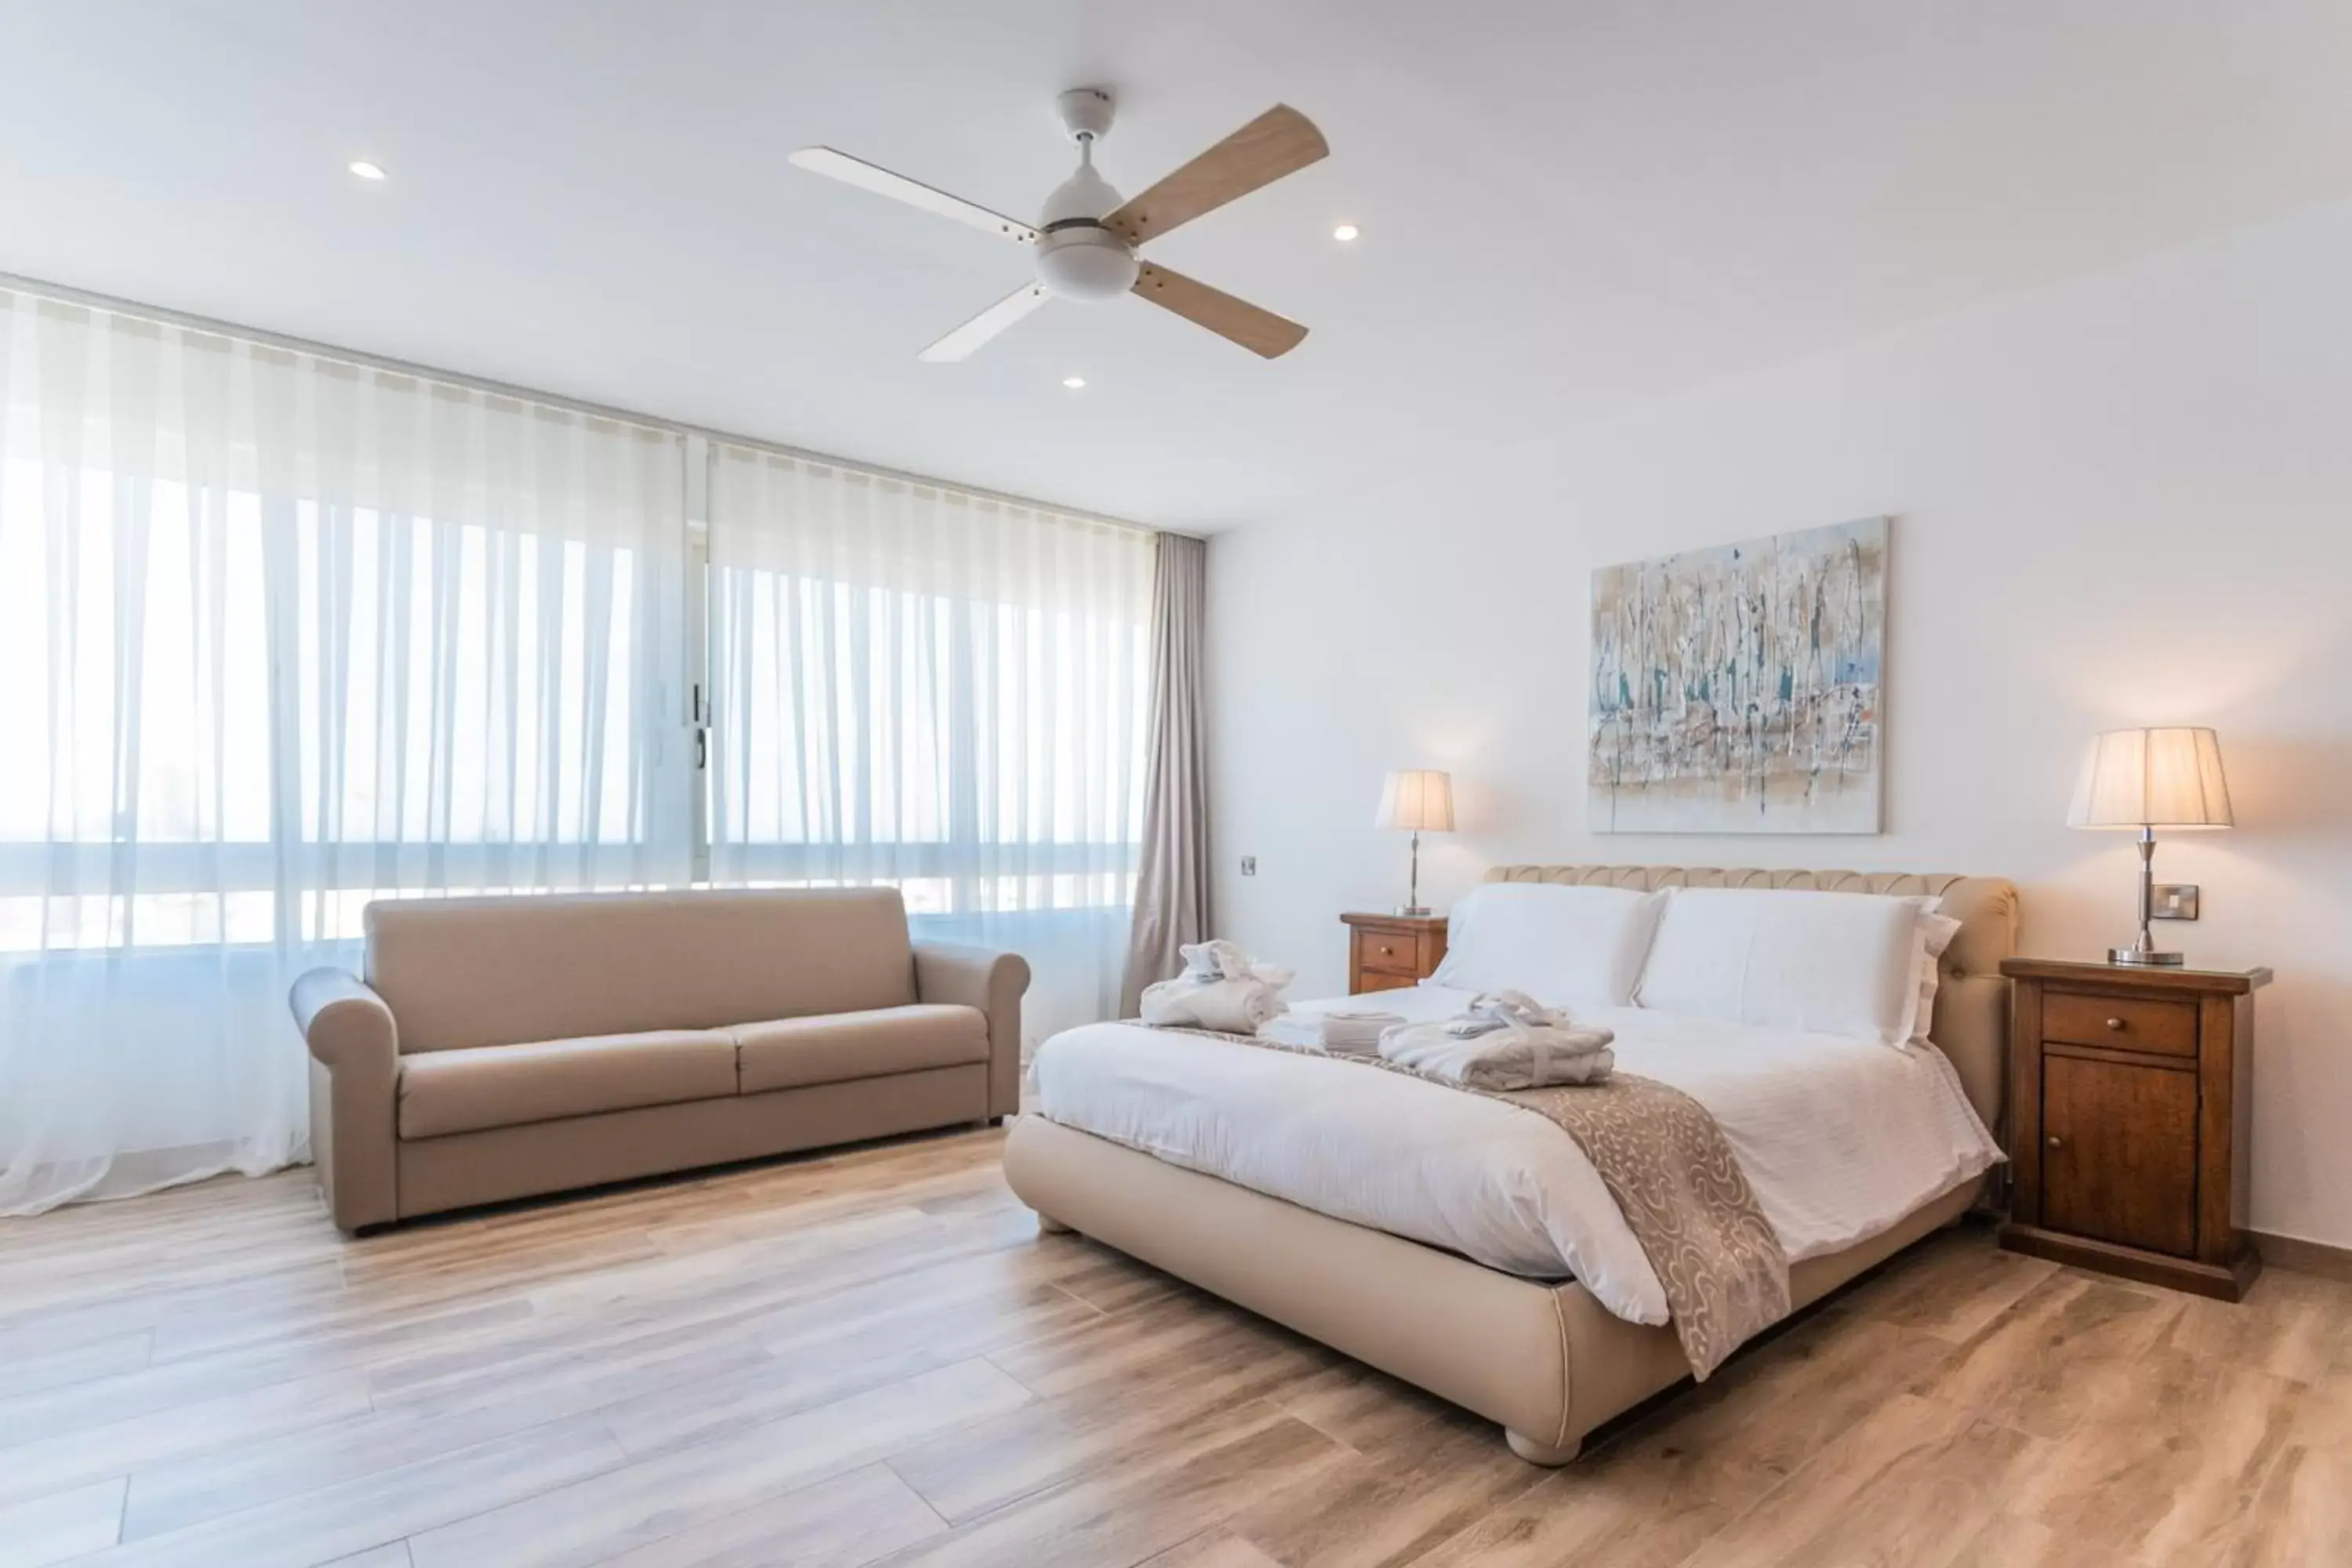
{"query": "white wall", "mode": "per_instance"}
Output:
(2124, 501)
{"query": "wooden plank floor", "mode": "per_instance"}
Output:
(873, 1357)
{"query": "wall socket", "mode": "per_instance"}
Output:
(1249, 865)
(2172, 902)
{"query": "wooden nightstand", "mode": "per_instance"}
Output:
(1386, 952)
(2130, 1091)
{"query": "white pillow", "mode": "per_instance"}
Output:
(1936, 935)
(1831, 963)
(1565, 947)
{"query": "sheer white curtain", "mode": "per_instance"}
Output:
(279, 636)
(916, 686)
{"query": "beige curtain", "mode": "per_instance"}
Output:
(1171, 890)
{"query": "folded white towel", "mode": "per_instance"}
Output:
(1221, 988)
(1505, 1041)
(1356, 1031)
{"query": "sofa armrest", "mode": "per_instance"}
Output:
(355, 1090)
(947, 971)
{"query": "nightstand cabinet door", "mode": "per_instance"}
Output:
(2119, 1153)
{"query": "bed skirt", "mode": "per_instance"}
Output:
(1547, 1362)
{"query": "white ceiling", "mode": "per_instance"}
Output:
(1566, 207)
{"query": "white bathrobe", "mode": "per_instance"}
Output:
(1505, 1041)
(1221, 988)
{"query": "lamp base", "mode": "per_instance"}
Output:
(1416, 911)
(2140, 958)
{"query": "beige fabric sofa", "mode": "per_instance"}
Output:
(503, 1046)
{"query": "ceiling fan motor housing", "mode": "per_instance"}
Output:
(1078, 257)
(1085, 261)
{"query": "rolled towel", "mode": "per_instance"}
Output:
(1221, 988)
(1217, 960)
(1235, 1006)
(1207, 961)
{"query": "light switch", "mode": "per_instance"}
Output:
(2172, 902)
(1249, 865)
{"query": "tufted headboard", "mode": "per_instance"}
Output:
(1971, 1023)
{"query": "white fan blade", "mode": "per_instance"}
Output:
(851, 171)
(959, 343)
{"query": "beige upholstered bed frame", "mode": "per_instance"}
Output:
(1547, 1362)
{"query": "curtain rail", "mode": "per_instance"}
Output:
(69, 295)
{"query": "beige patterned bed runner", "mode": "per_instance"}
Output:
(1664, 1159)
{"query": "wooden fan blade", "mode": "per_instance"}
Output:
(959, 343)
(1280, 142)
(1260, 331)
(867, 176)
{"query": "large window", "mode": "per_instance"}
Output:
(280, 636)
(929, 689)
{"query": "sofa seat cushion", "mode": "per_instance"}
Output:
(480, 1087)
(832, 1048)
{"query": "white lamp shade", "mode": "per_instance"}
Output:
(2152, 778)
(1418, 798)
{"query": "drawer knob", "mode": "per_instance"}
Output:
(2056, 1143)
(2114, 1023)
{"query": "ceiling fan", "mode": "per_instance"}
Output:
(1086, 239)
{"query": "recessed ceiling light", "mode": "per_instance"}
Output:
(1345, 231)
(365, 169)
(1074, 382)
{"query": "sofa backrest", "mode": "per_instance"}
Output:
(501, 971)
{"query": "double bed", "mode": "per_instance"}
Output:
(1469, 1248)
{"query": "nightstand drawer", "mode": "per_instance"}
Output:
(1386, 952)
(1389, 953)
(2119, 1023)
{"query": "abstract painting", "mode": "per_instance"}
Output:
(1738, 690)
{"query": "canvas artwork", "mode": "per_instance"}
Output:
(1738, 690)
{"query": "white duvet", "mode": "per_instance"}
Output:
(1840, 1139)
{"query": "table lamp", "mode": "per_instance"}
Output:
(2149, 779)
(1421, 799)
